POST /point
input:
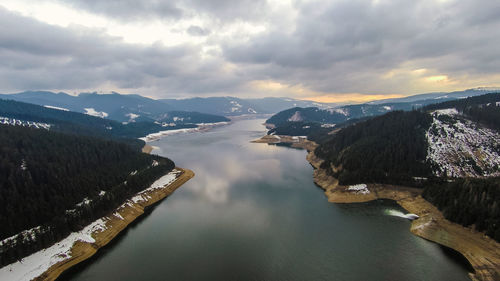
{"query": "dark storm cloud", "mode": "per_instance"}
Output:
(347, 40)
(326, 46)
(42, 56)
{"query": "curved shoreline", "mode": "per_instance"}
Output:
(127, 213)
(482, 252)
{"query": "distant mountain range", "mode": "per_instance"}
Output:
(340, 114)
(135, 108)
(122, 108)
(232, 106)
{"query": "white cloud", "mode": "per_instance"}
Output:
(222, 47)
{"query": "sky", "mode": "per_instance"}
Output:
(330, 51)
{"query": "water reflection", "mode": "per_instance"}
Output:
(252, 212)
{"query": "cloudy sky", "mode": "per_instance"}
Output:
(337, 50)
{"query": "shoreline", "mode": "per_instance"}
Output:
(147, 149)
(202, 127)
(82, 245)
(482, 252)
(128, 212)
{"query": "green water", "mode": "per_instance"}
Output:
(252, 212)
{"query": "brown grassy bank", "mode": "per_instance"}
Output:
(482, 252)
(114, 225)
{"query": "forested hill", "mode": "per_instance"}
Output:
(340, 114)
(309, 114)
(54, 183)
(391, 148)
(451, 149)
(483, 109)
(453, 139)
(81, 124)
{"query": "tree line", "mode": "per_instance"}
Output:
(44, 175)
(386, 149)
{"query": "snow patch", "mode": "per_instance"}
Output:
(132, 116)
(447, 111)
(342, 111)
(235, 103)
(160, 183)
(28, 234)
(17, 122)
(461, 148)
(160, 134)
(116, 214)
(359, 188)
(23, 167)
(85, 201)
(296, 117)
(328, 125)
(155, 136)
(93, 112)
(441, 97)
(34, 265)
(56, 107)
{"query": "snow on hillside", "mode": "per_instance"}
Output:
(132, 116)
(93, 112)
(296, 117)
(342, 111)
(34, 265)
(236, 107)
(460, 147)
(17, 122)
(56, 107)
(359, 188)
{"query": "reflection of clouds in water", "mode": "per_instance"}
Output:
(213, 181)
(223, 158)
(200, 212)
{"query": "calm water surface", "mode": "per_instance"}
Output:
(252, 212)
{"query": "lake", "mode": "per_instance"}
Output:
(252, 212)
